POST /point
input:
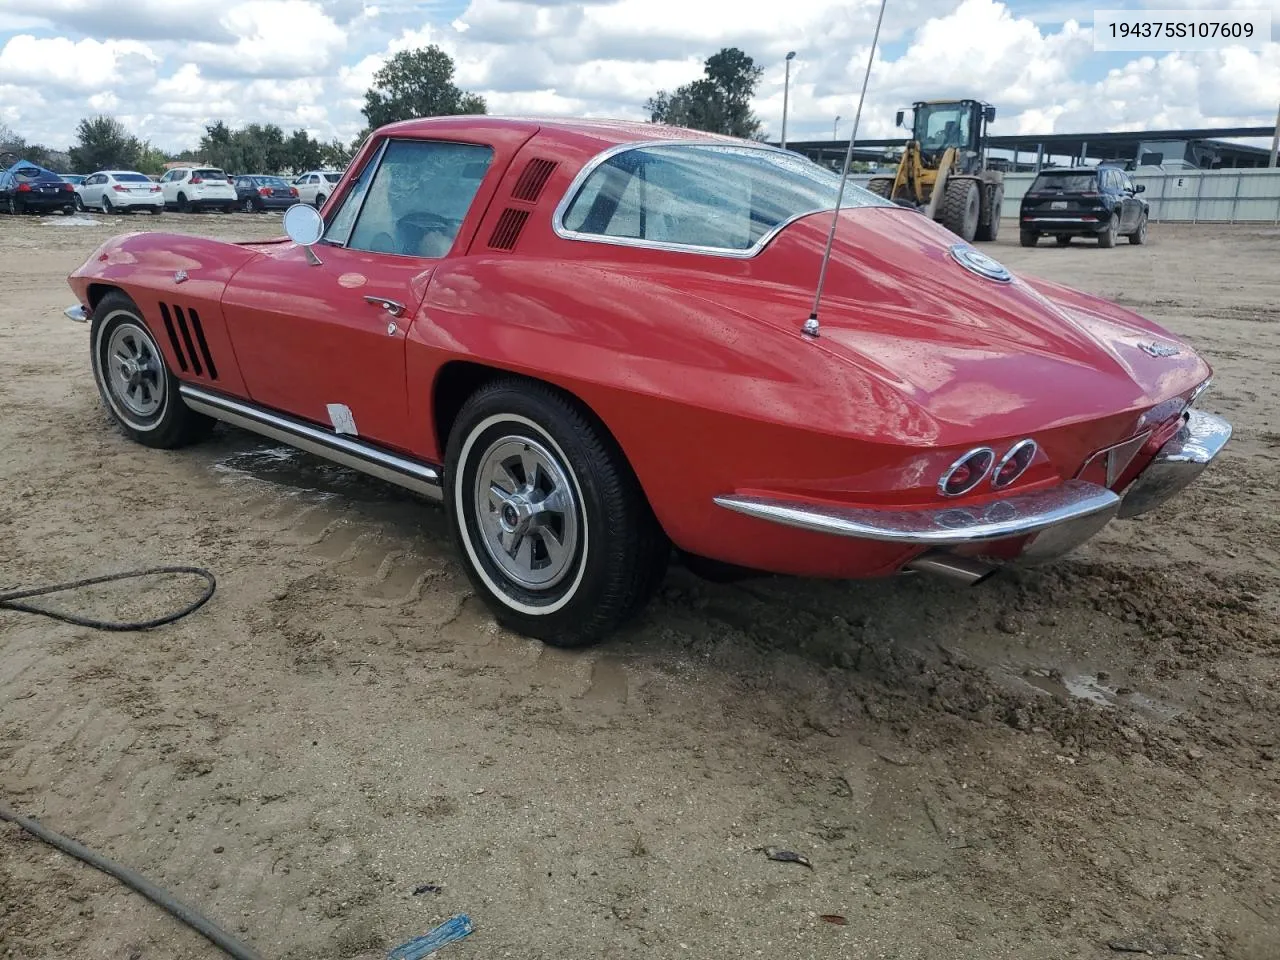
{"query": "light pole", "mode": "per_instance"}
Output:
(786, 93)
(835, 126)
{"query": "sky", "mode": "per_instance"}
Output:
(166, 68)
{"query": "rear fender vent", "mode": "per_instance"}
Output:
(186, 337)
(533, 178)
(507, 230)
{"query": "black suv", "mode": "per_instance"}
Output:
(1083, 201)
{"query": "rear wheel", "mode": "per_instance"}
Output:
(68, 210)
(1062, 239)
(249, 206)
(79, 202)
(1107, 238)
(554, 530)
(962, 208)
(320, 198)
(156, 211)
(1028, 238)
(136, 384)
(992, 201)
(184, 205)
(13, 207)
(107, 206)
(881, 186)
(1139, 236)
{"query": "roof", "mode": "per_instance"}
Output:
(603, 131)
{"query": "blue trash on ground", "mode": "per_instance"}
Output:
(455, 928)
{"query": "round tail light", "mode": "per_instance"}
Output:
(967, 472)
(1014, 463)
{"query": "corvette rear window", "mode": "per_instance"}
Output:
(713, 196)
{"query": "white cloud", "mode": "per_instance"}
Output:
(169, 67)
(84, 65)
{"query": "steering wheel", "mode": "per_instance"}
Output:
(424, 221)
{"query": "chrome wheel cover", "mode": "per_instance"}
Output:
(526, 511)
(134, 371)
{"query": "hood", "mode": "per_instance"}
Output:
(964, 348)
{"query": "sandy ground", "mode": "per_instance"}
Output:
(1062, 762)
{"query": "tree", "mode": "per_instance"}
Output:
(303, 152)
(719, 102)
(417, 83)
(103, 142)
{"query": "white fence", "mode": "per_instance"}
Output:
(1243, 195)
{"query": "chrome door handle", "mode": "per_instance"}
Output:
(393, 307)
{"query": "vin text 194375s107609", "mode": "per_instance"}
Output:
(587, 339)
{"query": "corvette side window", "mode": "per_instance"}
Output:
(418, 197)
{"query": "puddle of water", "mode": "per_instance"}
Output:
(1087, 686)
(292, 468)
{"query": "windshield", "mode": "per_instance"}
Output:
(942, 125)
(131, 178)
(1068, 182)
(722, 197)
(209, 174)
(333, 177)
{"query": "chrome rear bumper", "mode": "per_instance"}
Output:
(1083, 508)
(1182, 459)
(1060, 518)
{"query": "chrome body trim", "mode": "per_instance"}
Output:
(1015, 516)
(376, 462)
(960, 462)
(588, 168)
(76, 313)
(1118, 457)
(1080, 220)
(1180, 461)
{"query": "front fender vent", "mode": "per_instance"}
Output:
(186, 337)
(507, 230)
(533, 178)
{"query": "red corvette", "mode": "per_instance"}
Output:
(589, 340)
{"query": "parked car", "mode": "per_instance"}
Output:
(198, 188)
(123, 191)
(26, 187)
(75, 179)
(1071, 202)
(589, 340)
(258, 192)
(316, 186)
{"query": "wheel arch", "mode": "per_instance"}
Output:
(96, 291)
(457, 380)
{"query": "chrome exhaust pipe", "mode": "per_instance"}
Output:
(965, 570)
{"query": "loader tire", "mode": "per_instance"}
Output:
(992, 200)
(962, 208)
(880, 186)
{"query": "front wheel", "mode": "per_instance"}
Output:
(1139, 236)
(962, 208)
(555, 533)
(139, 390)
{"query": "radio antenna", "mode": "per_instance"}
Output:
(811, 326)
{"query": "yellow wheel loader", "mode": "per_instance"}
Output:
(943, 171)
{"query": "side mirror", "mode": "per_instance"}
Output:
(1139, 188)
(989, 113)
(899, 120)
(305, 227)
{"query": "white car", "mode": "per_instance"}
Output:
(316, 186)
(194, 188)
(112, 190)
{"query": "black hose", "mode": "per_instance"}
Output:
(9, 600)
(130, 878)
